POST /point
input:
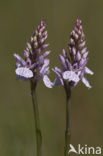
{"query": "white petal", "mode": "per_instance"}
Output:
(47, 82)
(88, 71)
(85, 81)
(66, 75)
(46, 62)
(24, 72)
(79, 72)
(71, 76)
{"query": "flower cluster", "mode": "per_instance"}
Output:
(73, 65)
(35, 65)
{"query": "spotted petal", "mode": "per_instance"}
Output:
(85, 81)
(46, 63)
(24, 72)
(71, 76)
(47, 82)
(88, 71)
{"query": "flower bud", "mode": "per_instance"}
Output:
(78, 56)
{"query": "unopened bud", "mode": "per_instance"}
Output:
(74, 51)
(28, 45)
(78, 56)
(83, 50)
(31, 39)
(85, 55)
(35, 44)
(34, 38)
(82, 45)
(36, 32)
(72, 41)
(45, 33)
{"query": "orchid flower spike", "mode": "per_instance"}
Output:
(35, 65)
(73, 66)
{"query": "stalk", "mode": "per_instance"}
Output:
(68, 121)
(37, 121)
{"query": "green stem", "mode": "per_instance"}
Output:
(37, 121)
(68, 121)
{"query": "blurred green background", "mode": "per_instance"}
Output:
(18, 19)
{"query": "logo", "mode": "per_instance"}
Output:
(85, 150)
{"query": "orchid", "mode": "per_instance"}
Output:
(72, 71)
(35, 65)
(73, 65)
